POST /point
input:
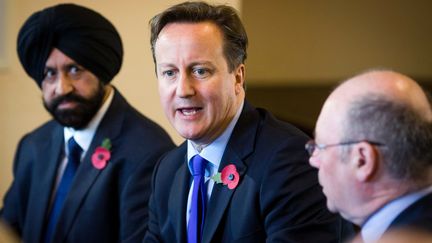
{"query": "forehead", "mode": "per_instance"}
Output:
(201, 37)
(331, 121)
(185, 29)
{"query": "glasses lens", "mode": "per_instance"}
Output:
(310, 147)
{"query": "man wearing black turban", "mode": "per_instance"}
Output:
(84, 176)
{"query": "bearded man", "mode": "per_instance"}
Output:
(85, 175)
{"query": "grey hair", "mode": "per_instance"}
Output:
(406, 135)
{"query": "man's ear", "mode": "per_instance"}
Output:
(239, 78)
(366, 161)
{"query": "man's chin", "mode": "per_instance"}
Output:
(68, 119)
(331, 207)
(75, 111)
(77, 125)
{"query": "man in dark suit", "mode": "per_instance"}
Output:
(242, 175)
(373, 151)
(85, 175)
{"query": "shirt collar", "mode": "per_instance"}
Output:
(84, 136)
(378, 223)
(214, 151)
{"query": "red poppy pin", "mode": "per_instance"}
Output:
(228, 176)
(102, 154)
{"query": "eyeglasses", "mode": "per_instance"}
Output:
(311, 145)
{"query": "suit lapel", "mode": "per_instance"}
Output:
(220, 198)
(48, 159)
(177, 202)
(416, 215)
(86, 176)
(240, 145)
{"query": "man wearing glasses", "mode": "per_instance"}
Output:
(373, 151)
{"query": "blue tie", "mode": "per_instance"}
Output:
(198, 202)
(64, 186)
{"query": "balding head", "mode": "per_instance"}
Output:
(383, 107)
(387, 84)
(375, 136)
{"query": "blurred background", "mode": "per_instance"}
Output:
(299, 50)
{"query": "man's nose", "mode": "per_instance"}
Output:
(185, 86)
(314, 161)
(64, 85)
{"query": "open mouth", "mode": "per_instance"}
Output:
(189, 111)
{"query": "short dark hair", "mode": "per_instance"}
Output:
(225, 17)
(406, 135)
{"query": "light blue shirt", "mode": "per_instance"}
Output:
(378, 223)
(212, 153)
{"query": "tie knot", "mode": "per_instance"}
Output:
(74, 148)
(198, 165)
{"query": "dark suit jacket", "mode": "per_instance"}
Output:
(418, 216)
(105, 205)
(278, 197)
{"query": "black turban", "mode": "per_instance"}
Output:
(80, 33)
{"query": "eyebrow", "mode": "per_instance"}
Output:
(65, 66)
(190, 64)
(201, 63)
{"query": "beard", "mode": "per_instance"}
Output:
(79, 116)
